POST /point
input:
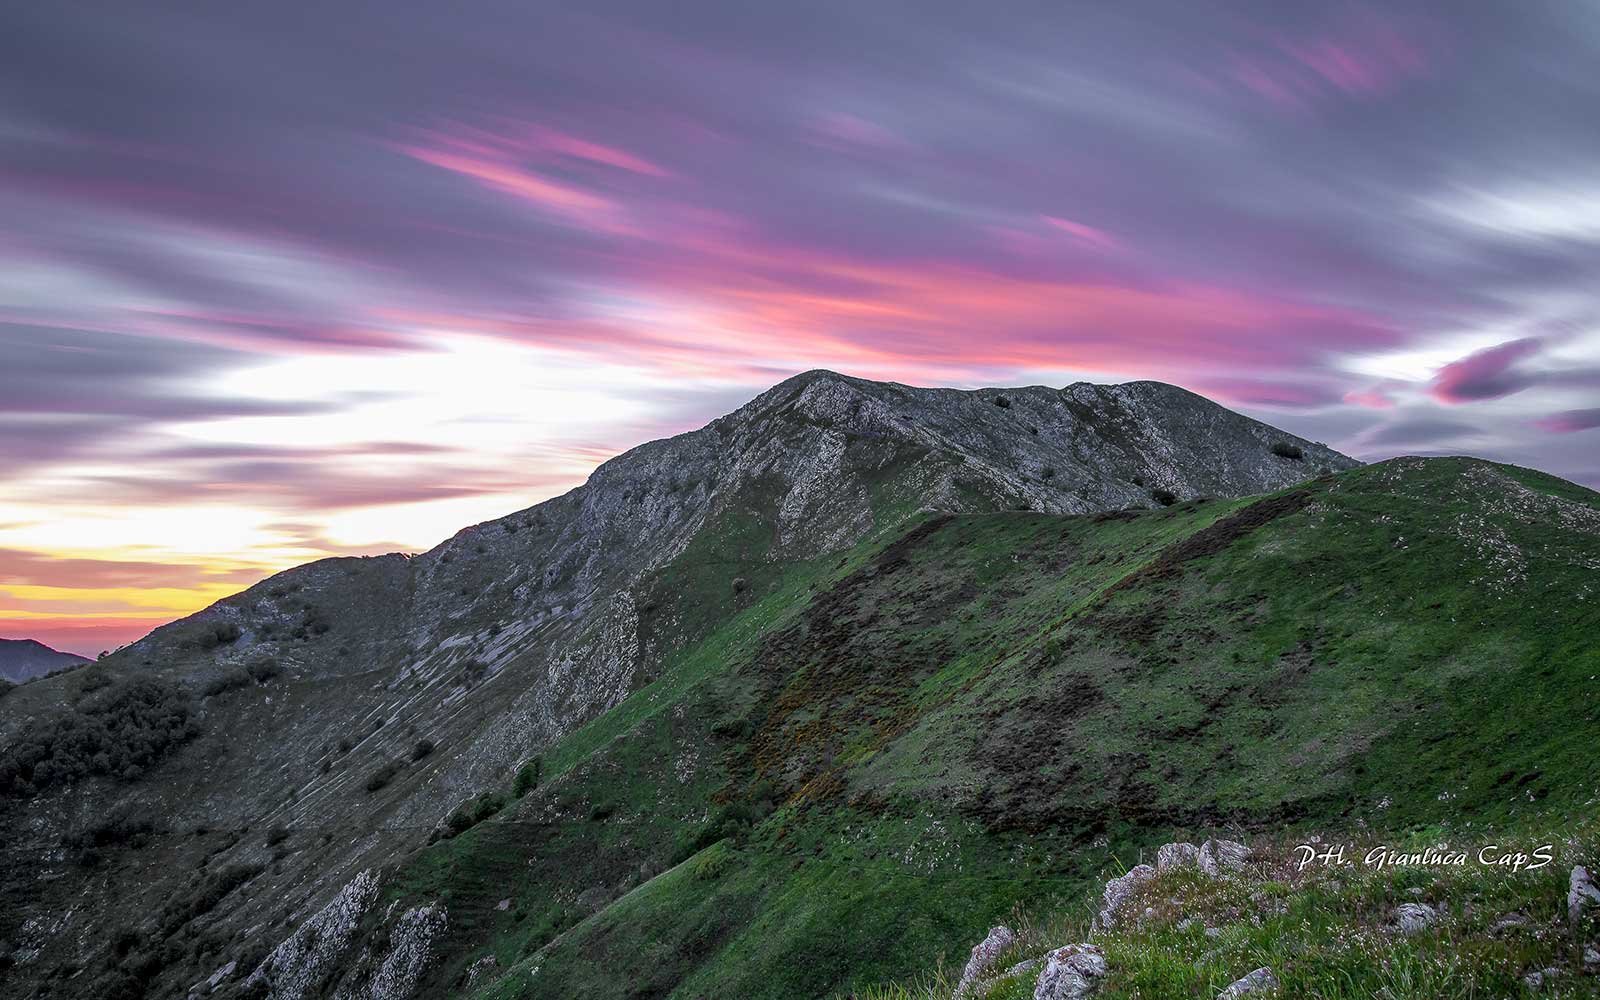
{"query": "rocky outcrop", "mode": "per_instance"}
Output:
(1582, 894)
(1174, 856)
(1071, 973)
(296, 966)
(1119, 890)
(410, 950)
(1256, 983)
(1218, 858)
(1413, 918)
(984, 955)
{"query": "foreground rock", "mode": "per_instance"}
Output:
(1413, 918)
(1173, 856)
(1120, 889)
(1071, 973)
(1260, 981)
(983, 957)
(1219, 858)
(1581, 894)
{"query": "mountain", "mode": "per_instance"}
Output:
(794, 702)
(24, 659)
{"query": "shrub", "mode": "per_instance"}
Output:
(527, 778)
(277, 835)
(6, 687)
(472, 812)
(739, 584)
(1284, 449)
(383, 775)
(423, 748)
(1002, 402)
(1164, 497)
(1047, 473)
(232, 680)
(264, 669)
(181, 909)
(119, 732)
(125, 826)
(733, 820)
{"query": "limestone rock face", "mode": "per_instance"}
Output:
(1413, 918)
(1222, 857)
(1118, 891)
(1260, 981)
(1173, 856)
(1071, 973)
(1582, 894)
(983, 957)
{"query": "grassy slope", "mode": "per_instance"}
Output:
(906, 742)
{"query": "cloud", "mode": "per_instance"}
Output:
(1571, 421)
(1486, 374)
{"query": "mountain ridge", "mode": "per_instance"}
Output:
(25, 659)
(718, 590)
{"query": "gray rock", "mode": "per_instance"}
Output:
(1537, 980)
(1507, 923)
(984, 954)
(1412, 918)
(1222, 857)
(480, 971)
(1071, 973)
(1020, 968)
(1581, 894)
(1119, 890)
(1259, 981)
(1591, 959)
(1180, 855)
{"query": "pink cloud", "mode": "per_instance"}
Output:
(1372, 399)
(1486, 374)
(1089, 234)
(1361, 54)
(1570, 421)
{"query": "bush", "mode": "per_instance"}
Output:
(6, 687)
(264, 669)
(125, 826)
(232, 680)
(383, 775)
(732, 821)
(527, 778)
(1165, 498)
(423, 748)
(739, 584)
(1002, 402)
(277, 835)
(1284, 449)
(472, 812)
(119, 732)
(179, 910)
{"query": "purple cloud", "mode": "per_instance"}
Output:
(1486, 374)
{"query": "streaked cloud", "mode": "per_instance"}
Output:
(448, 258)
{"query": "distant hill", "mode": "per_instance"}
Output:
(23, 659)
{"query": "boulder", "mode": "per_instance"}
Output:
(1071, 973)
(1173, 856)
(1581, 894)
(1411, 918)
(1222, 857)
(983, 957)
(1119, 890)
(1259, 981)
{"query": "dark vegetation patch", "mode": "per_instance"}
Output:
(118, 731)
(1284, 449)
(384, 774)
(126, 825)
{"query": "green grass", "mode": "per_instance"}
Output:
(971, 719)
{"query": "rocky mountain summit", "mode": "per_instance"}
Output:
(717, 721)
(25, 659)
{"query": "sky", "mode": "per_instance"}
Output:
(280, 281)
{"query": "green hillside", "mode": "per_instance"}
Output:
(884, 752)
